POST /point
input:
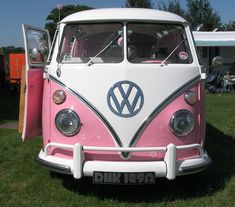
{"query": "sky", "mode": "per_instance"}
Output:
(14, 13)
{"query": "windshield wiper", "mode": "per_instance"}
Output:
(163, 62)
(90, 62)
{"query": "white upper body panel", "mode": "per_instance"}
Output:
(119, 14)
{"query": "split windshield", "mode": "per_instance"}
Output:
(104, 43)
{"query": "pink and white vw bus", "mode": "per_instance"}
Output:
(119, 96)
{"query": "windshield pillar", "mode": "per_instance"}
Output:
(125, 41)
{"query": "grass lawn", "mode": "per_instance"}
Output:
(25, 183)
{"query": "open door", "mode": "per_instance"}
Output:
(37, 44)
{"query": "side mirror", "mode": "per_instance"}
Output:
(35, 53)
(217, 62)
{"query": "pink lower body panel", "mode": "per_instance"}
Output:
(94, 132)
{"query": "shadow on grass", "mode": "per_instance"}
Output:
(220, 147)
(9, 106)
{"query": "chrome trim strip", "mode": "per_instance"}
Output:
(160, 107)
(86, 102)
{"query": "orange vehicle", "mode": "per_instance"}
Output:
(17, 61)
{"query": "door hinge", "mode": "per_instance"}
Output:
(46, 74)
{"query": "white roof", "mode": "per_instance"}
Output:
(119, 14)
(214, 38)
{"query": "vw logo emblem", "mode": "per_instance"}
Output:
(125, 99)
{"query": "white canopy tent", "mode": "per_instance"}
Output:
(214, 39)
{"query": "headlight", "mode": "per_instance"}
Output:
(67, 122)
(182, 122)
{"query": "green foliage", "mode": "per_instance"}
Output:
(197, 12)
(230, 26)
(56, 15)
(201, 12)
(173, 6)
(139, 3)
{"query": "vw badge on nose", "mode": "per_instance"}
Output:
(125, 99)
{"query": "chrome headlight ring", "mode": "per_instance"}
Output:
(68, 122)
(182, 122)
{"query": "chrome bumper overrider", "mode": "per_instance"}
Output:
(169, 168)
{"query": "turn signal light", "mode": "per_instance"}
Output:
(190, 97)
(59, 97)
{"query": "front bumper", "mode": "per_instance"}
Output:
(170, 167)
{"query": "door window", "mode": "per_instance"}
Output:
(38, 46)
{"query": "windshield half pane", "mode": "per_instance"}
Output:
(157, 43)
(99, 43)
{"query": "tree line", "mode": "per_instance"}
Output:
(197, 13)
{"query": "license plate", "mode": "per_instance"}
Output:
(143, 178)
